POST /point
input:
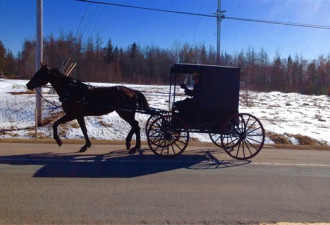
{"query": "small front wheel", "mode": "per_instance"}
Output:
(167, 136)
(242, 136)
(216, 139)
(150, 120)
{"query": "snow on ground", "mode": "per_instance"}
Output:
(286, 114)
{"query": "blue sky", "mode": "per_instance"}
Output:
(125, 26)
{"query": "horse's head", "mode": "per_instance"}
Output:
(41, 77)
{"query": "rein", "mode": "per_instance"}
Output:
(46, 100)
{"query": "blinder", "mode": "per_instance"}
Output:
(41, 77)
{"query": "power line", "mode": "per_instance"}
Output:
(82, 18)
(146, 8)
(281, 23)
(314, 26)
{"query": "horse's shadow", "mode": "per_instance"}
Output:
(115, 164)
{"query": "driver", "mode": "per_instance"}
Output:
(190, 105)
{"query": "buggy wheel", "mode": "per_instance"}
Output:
(167, 136)
(150, 120)
(242, 136)
(216, 139)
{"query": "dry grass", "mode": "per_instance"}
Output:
(12, 76)
(49, 140)
(105, 124)
(278, 138)
(63, 130)
(192, 139)
(74, 125)
(12, 129)
(52, 118)
(27, 92)
(319, 118)
(13, 135)
(305, 140)
(285, 139)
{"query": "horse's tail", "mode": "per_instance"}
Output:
(142, 101)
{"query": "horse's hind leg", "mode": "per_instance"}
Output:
(63, 119)
(128, 116)
(82, 124)
(129, 138)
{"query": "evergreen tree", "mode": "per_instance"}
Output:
(277, 76)
(2, 58)
(11, 67)
(108, 53)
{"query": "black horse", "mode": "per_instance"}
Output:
(80, 100)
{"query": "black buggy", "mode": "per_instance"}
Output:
(241, 135)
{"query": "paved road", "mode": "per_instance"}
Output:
(44, 184)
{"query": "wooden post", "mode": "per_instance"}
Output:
(36, 123)
(39, 59)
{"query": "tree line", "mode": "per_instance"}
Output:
(98, 62)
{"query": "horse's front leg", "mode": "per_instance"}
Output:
(82, 124)
(63, 119)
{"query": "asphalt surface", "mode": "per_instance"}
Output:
(44, 184)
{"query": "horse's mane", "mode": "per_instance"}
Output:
(58, 73)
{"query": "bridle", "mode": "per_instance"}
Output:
(38, 93)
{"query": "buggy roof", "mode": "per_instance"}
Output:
(202, 68)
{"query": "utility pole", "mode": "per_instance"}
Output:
(220, 16)
(39, 59)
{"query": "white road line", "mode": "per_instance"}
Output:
(291, 164)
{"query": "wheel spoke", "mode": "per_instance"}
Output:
(231, 141)
(252, 125)
(248, 138)
(173, 149)
(238, 148)
(252, 145)
(177, 145)
(247, 122)
(246, 143)
(159, 145)
(250, 131)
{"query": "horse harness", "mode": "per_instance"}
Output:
(76, 91)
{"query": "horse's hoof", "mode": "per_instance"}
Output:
(128, 145)
(59, 142)
(83, 149)
(132, 151)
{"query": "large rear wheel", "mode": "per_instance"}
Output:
(242, 136)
